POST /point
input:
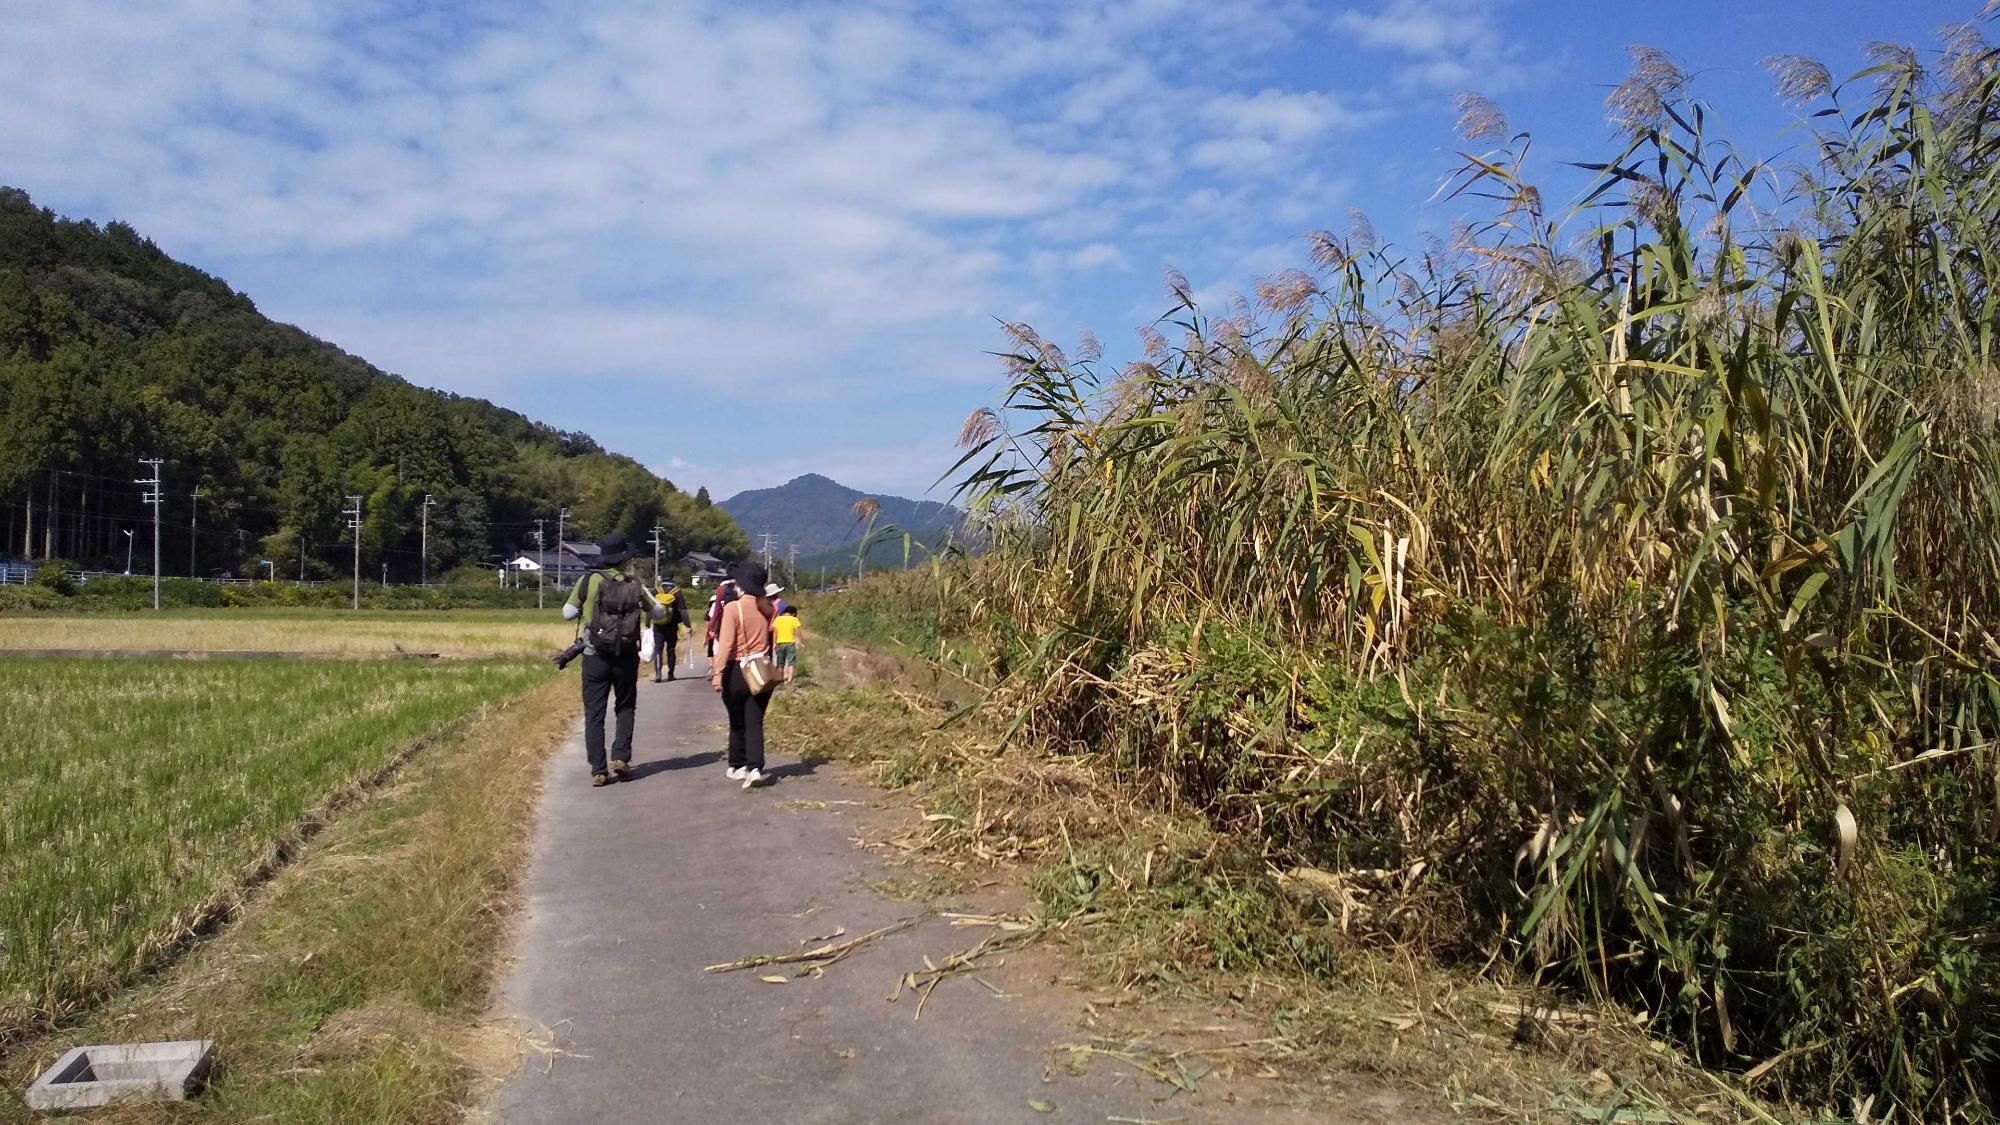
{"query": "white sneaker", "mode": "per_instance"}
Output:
(736, 773)
(752, 778)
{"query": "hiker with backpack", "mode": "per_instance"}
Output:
(614, 608)
(667, 633)
(742, 671)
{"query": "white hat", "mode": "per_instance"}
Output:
(773, 590)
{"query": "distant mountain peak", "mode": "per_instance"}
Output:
(815, 512)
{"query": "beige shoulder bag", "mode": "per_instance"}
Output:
(759, 674)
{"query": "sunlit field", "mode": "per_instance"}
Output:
(450, 633)
(134, 795)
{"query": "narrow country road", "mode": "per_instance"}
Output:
(636, 887)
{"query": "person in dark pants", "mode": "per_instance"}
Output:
(667, 633)
(611, 653)
(744, 632)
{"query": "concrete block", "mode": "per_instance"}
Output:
(88, 1077)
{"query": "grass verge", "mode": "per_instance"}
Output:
(353, 988)
(1191, 929)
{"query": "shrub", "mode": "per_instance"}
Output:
(17, 599)
(54, 575)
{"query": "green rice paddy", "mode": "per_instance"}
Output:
(135, 795)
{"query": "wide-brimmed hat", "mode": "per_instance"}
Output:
(612, 550)
(773, 590)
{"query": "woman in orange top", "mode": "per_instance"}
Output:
(743, 632)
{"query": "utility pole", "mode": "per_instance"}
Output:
(425, 570)
(194, 510)
(385, 574)
(541, 561)
(562, 522)
(302, 556)
(156, 498)
(353, 514)
(792, 564)
(657, 532)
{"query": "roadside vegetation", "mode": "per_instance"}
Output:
(1603, 600)
(355, 986)
(138, 799)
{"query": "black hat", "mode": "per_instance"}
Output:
(612, 550)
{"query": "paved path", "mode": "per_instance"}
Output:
(635, 887)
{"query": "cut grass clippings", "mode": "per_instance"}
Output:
(1203, 952)
(355, 986)
(137, 800)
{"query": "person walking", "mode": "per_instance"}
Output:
(667, 633)
(613, 607)
(725, 592)
(786, 635)
(744, 635)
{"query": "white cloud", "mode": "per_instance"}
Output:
(1098, 255)
(1447, 45)
(1282, 116)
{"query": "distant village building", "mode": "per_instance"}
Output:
(704, 568)
(559, 568)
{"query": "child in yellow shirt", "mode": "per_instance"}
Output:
(786, 632)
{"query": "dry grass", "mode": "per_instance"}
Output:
(355, 986)
(1628, 577)
(1198, 948)
(451, 633)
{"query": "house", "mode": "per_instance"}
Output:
(560, 568)
(702, 565)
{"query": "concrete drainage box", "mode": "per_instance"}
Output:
(87, 1077)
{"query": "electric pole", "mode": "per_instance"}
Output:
(657, 532)
(792, 564)
(156, 498)
(424, 572)
(562, 521)
(768, 537)
(541, 561)
(353, 514)
(194, 510)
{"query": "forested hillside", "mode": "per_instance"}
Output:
(110, 351)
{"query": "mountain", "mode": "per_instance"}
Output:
(817, 514)
(110, 351)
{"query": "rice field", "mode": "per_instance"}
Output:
(451, 633)
(134, 796)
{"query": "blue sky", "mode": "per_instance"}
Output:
(742, 241)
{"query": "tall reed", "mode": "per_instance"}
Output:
(1623, 581)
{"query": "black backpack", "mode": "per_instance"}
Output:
(617, 617)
